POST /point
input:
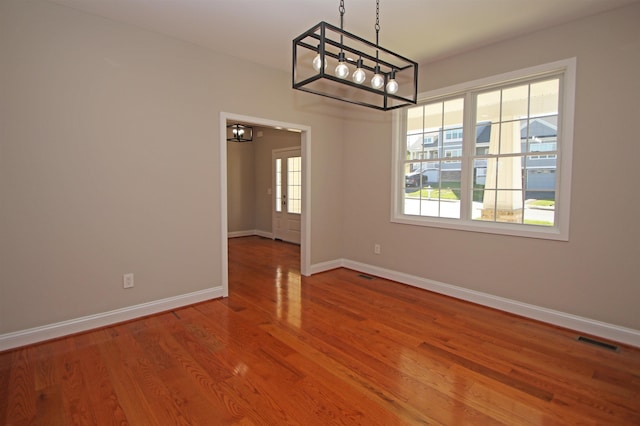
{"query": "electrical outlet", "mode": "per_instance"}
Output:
(127, 280)
(376, 248)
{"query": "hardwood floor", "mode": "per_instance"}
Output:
(335, 348)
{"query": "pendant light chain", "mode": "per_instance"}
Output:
(341, 10)
(377, 82)
(377, 21)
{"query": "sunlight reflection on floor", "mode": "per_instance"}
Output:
(288, 294)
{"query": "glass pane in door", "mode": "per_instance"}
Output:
(278, 184)
(294, 184)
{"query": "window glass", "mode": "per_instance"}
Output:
(294, 184)
(278, 185)
(509, 175)
(544, 98)
(431, 188)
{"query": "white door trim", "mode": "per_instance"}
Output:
(305, 146)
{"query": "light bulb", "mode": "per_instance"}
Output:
(392, 86)
(358, 75)
(377, 81)
(317, 63)
(342, 70)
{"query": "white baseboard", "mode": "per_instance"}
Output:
(236, 234)
(585, 325)
(77, 325)
(249, 233)
(264, 234)
(326, 266)
(573, 322)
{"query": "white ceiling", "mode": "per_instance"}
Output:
(423, 30)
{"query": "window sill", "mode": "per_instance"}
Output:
(514, 230)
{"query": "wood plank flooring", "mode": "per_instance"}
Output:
(335, 348)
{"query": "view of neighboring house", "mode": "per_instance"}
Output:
(438, 152)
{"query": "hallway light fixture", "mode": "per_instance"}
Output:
(239, 133)
(393, 79)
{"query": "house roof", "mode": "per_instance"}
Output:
(540, 127)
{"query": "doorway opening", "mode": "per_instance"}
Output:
(304, 187)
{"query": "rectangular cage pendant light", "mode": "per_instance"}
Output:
(365, 61)
(239, 133)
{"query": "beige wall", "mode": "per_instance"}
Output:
(594, 275)
(109, 162)
(249, 178)
(241, 188)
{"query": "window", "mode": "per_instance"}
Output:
(451, 135)
(278, 180)
(498, 156)
(294, 184)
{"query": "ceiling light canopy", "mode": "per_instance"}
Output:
(239, 133)
(360, 72)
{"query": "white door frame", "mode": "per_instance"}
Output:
(305, 147)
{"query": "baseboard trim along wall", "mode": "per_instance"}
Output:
(561, 319)
(573, 322)
(77, 325)
(249, 233)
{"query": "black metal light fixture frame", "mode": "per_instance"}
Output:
(333, 44)
(239, 133)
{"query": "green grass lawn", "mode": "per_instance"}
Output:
(538, 222)
(434, 193)
(452, 192)
(542, 203)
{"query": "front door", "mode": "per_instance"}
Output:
(287, 206)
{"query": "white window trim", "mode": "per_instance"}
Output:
(560, 230)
